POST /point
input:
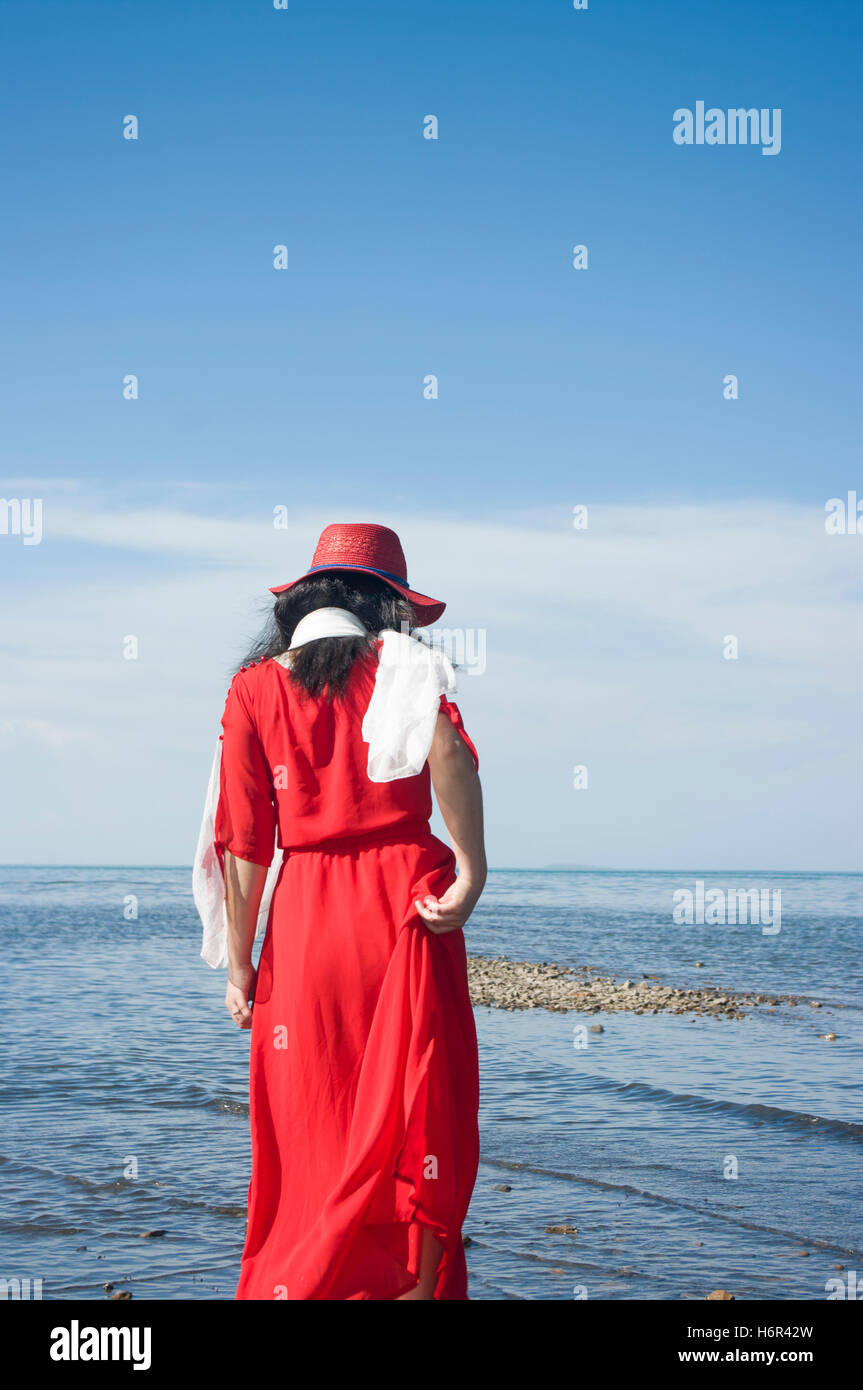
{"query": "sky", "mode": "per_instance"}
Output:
(305, 388)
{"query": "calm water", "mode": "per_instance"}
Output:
(124, 1095)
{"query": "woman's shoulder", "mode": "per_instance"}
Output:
(264, 666)
(250, 678)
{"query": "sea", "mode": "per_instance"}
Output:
(662, 1157)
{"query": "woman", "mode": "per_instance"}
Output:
(363, 1070)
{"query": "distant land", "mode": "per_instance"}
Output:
(582, 868)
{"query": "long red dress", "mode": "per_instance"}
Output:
(364, 1081)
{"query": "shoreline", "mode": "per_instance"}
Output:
(501, 983)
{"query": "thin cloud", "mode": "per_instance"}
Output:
(603, 648)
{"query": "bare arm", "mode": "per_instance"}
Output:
(459, 796)
(244, 886)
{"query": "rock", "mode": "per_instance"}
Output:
(561, 1230)
(121, 1293)
(596, 1028)
(719, 1294)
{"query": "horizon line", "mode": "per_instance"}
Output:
(506, 868)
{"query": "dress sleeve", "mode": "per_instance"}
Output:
(246, 814)
(451, 709)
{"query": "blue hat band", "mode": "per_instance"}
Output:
(365, 569)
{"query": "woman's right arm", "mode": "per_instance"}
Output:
(459, 796)
(244, 887)
(245, 835)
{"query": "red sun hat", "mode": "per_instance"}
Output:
(369, 549)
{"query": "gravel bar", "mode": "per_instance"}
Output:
(518, 984)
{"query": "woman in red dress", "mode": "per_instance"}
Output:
(363, 1073)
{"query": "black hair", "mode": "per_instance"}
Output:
(323, 666)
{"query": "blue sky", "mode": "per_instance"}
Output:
(304, 388)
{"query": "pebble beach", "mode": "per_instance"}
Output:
(516, 984)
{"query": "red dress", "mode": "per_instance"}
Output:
(363, 1074)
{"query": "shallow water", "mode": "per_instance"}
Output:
(124, 1095)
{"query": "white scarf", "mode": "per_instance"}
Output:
(398, 725)
(327, 622)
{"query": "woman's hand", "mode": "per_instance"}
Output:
(449, 913)
(459, 797)
(241, 981)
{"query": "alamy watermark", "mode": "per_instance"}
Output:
(737, 126)
(19, 1289)
(719, 907)
(845, 1288)
(844, 516)
(77, 1343)
(21, 516)
(465, 647)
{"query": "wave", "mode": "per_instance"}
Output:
(751, 1110)
(676, 1203)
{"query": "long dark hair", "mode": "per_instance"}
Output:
(323, 666)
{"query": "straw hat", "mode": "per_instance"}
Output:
(368, 549)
